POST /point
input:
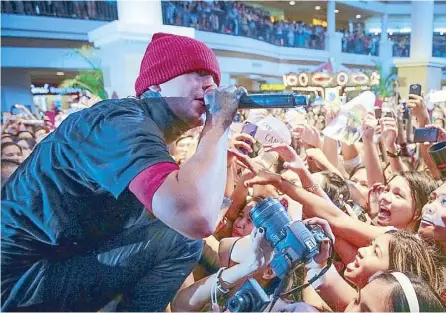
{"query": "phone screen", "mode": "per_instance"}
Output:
(425, 135)
(415, 89)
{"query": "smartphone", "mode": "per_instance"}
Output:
(378, 112)
(415, 89)
(250, 129)
(425, 135)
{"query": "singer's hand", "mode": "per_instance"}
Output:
(222, 104)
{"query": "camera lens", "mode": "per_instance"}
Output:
(240, 303)
(272, 216)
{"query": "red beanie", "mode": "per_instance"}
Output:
(168, 56)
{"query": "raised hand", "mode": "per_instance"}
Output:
(288, 155)
(324, 254)
(417, 107)
(369, 125)
(262, 175)
(389, 131)
(441, 132)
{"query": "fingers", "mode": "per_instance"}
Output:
(243, 137)
(242, 145)
(323, 223)
(243, 159)
(415, 98)
(350, 211)
(256, 180)
(240, 92)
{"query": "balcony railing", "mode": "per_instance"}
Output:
(89, 10)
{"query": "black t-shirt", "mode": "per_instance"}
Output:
(73, 189)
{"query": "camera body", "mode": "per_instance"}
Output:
(292, 241)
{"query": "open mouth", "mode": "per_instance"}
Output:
(384, 212)
(426, 221)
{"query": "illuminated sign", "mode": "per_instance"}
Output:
(319, 22)
(272, 87)
(47, 90)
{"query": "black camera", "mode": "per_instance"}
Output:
(292, 241)
(250, 298)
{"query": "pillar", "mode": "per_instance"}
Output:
(422, 21)
(330, 35)
(140, 12)
(420, 68)
(122, 43)
(385, 46)
(384, 26)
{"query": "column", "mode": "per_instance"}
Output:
(122, 43)
(385, 46)
(422, 29)
(420, 68)
(140, 12)
(333, 40)
(384, 26)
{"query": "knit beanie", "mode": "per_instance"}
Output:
(168, 56)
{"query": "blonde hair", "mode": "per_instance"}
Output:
(410, 253)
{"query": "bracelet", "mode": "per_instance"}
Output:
(312, 188)
(218, 281)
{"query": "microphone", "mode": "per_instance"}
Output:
(273, 101)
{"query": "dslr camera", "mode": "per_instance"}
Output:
(293, 243)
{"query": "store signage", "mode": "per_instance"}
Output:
(272, 87)
(47, 90)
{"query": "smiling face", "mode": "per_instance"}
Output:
(184, 95)
(368, 261)
(396, 206)
(433, 220)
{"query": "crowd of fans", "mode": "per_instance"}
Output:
(398, 197)
(239, 19)
(93, 10)
(400, 226)
(360, 43)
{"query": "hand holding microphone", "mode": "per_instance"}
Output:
(222, 104)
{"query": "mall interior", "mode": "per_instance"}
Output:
(259, 44)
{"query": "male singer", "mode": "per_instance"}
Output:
(74, 232)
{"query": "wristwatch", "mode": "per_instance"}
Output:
(394, 155)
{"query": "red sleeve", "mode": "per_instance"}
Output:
(146, 183)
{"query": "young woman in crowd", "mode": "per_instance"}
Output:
(433, 227)
(12, 151)
(387, 292)
(27, 145)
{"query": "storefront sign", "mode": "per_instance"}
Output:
(48, 90)
(272, 87)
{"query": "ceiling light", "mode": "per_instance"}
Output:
(317, 8)
(292, 2)
(60, 73)
(336, 11)
(358, 16)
